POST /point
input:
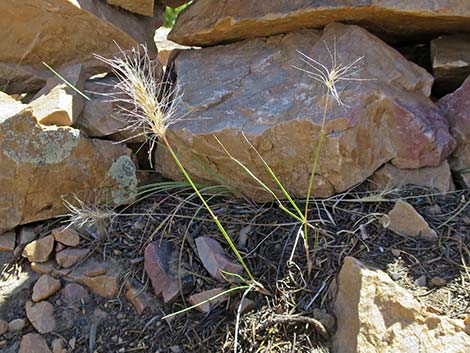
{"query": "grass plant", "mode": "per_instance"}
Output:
(153, 110)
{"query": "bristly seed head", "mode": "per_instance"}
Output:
(330, 75)
(148, 102)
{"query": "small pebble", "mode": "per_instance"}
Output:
(16, 325)
(72, 342)
(421, 281)
(438, 282)
(3, 327)
(434, 210)
(395, 276)
(396, 252)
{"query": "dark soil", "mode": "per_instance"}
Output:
(280, 320)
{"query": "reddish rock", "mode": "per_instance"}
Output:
(386, 117)
(58, 103)
(16, 325)
(213, 257)
(3, 327)
(374, 314)
(207, 295)
(96, 28)
(166, 46)
(174, 4)
(45, 287)
(66, 236)
(105, 286)
(139, 298)
(208, 22)
(439, 178)
(403, 219)
(41, 316)
(7, 241)
(39, 250)
(456, 107)
(161, 265)
(26, 235)
(59, 247)
(43, 268)
(58, 346)
(33, 343)
(450, 57)
(70, 257)
(33, 155)
(74, 293)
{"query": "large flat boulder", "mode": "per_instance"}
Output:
(252, 88)
(374, 314)
(42, 166)
(208, 22)
(62, 32)
(456, 107)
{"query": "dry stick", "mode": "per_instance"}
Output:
(288, 319)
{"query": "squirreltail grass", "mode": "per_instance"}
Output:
(328, 76)
(154, 109)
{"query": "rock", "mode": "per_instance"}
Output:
(439, 177)
(213, 257)
(3, 327)
(105, 286)
(16, 325)
(161, 265)
(58, 103)
(247, 305)
(326, 319)
(206, 295)
(43, 268)
(66, 235)
(255, 90)
(456, 107)
(208, 22)
(403, 219)
(421, 281)
(9, 106)
(45, 287)
(7, 241)
(26, 235)
(173, 3)
(59, 247)
(70, 257)
(450, 61)
(165, 46)
(68, 32)
(74, 293)
(33, 343)
(103, 115)
(41, 316)
(139, 297)
(17, 79)
(33, 155)
(58, 346)
(374, 314)
(438, 282)
(39, 250)
(141, 7)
